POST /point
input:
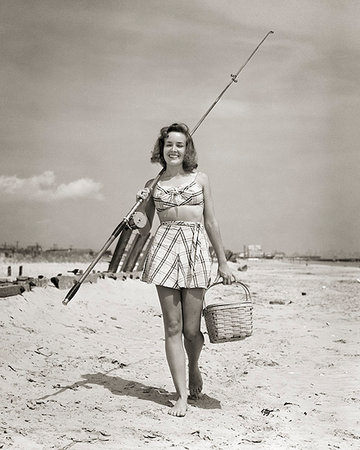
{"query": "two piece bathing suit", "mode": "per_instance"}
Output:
(179, 255)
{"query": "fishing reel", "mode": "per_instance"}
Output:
(137, 220)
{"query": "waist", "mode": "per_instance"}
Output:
(181, 223)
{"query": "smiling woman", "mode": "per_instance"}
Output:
(181, 142)
(178, 262)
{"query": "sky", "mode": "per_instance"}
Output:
(86, 86)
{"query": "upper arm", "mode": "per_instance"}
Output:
(149, 203)
(209, 212)
(148, 208)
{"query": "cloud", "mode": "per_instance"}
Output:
(43, 188)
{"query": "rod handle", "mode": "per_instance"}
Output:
(71, 293)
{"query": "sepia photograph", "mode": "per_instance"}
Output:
(179, 224)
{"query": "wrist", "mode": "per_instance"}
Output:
(222, 262)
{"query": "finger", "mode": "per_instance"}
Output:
(144, 194)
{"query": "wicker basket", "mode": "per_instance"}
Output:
(228, 322)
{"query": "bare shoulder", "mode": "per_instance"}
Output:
(202, 178)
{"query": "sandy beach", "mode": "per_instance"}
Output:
(93, 374)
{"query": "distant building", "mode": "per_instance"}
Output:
(69, 251)
(7, 251)
(269, 255)
(279, 255)
(33, 250)
(253, 251)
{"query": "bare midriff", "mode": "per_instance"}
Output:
(186, 213)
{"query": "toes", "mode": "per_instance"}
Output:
(178, 410)
(176, 413)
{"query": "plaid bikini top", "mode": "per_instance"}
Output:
(166, 197)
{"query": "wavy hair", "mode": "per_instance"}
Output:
(190, 156)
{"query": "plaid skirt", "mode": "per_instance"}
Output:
(179, 256)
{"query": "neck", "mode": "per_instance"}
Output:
(174, 171)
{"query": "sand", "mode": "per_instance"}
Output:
(93, 374)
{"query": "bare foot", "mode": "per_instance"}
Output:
(179, 409)
(195, 382)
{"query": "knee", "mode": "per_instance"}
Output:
(173, 328)
(192, 334)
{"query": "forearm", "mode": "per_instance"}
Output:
(213, 232)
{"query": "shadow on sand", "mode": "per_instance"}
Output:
(121, 386)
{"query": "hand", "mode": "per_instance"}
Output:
(225, 273)
(143, 194)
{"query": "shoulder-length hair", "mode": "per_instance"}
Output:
(190, 157)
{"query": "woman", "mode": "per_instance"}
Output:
(178, 262)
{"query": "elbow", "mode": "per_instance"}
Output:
(210, 224)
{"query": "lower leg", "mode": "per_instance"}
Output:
(193, 349)
(193, 338)
(170, 301)
(175, 356)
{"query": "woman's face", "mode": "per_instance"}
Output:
(174, 148)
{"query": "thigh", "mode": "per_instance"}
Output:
(170, 301)
(192, 305)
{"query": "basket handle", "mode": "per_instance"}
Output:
(236, 283)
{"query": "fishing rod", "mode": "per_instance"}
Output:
(233, 80)
(135, 219)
